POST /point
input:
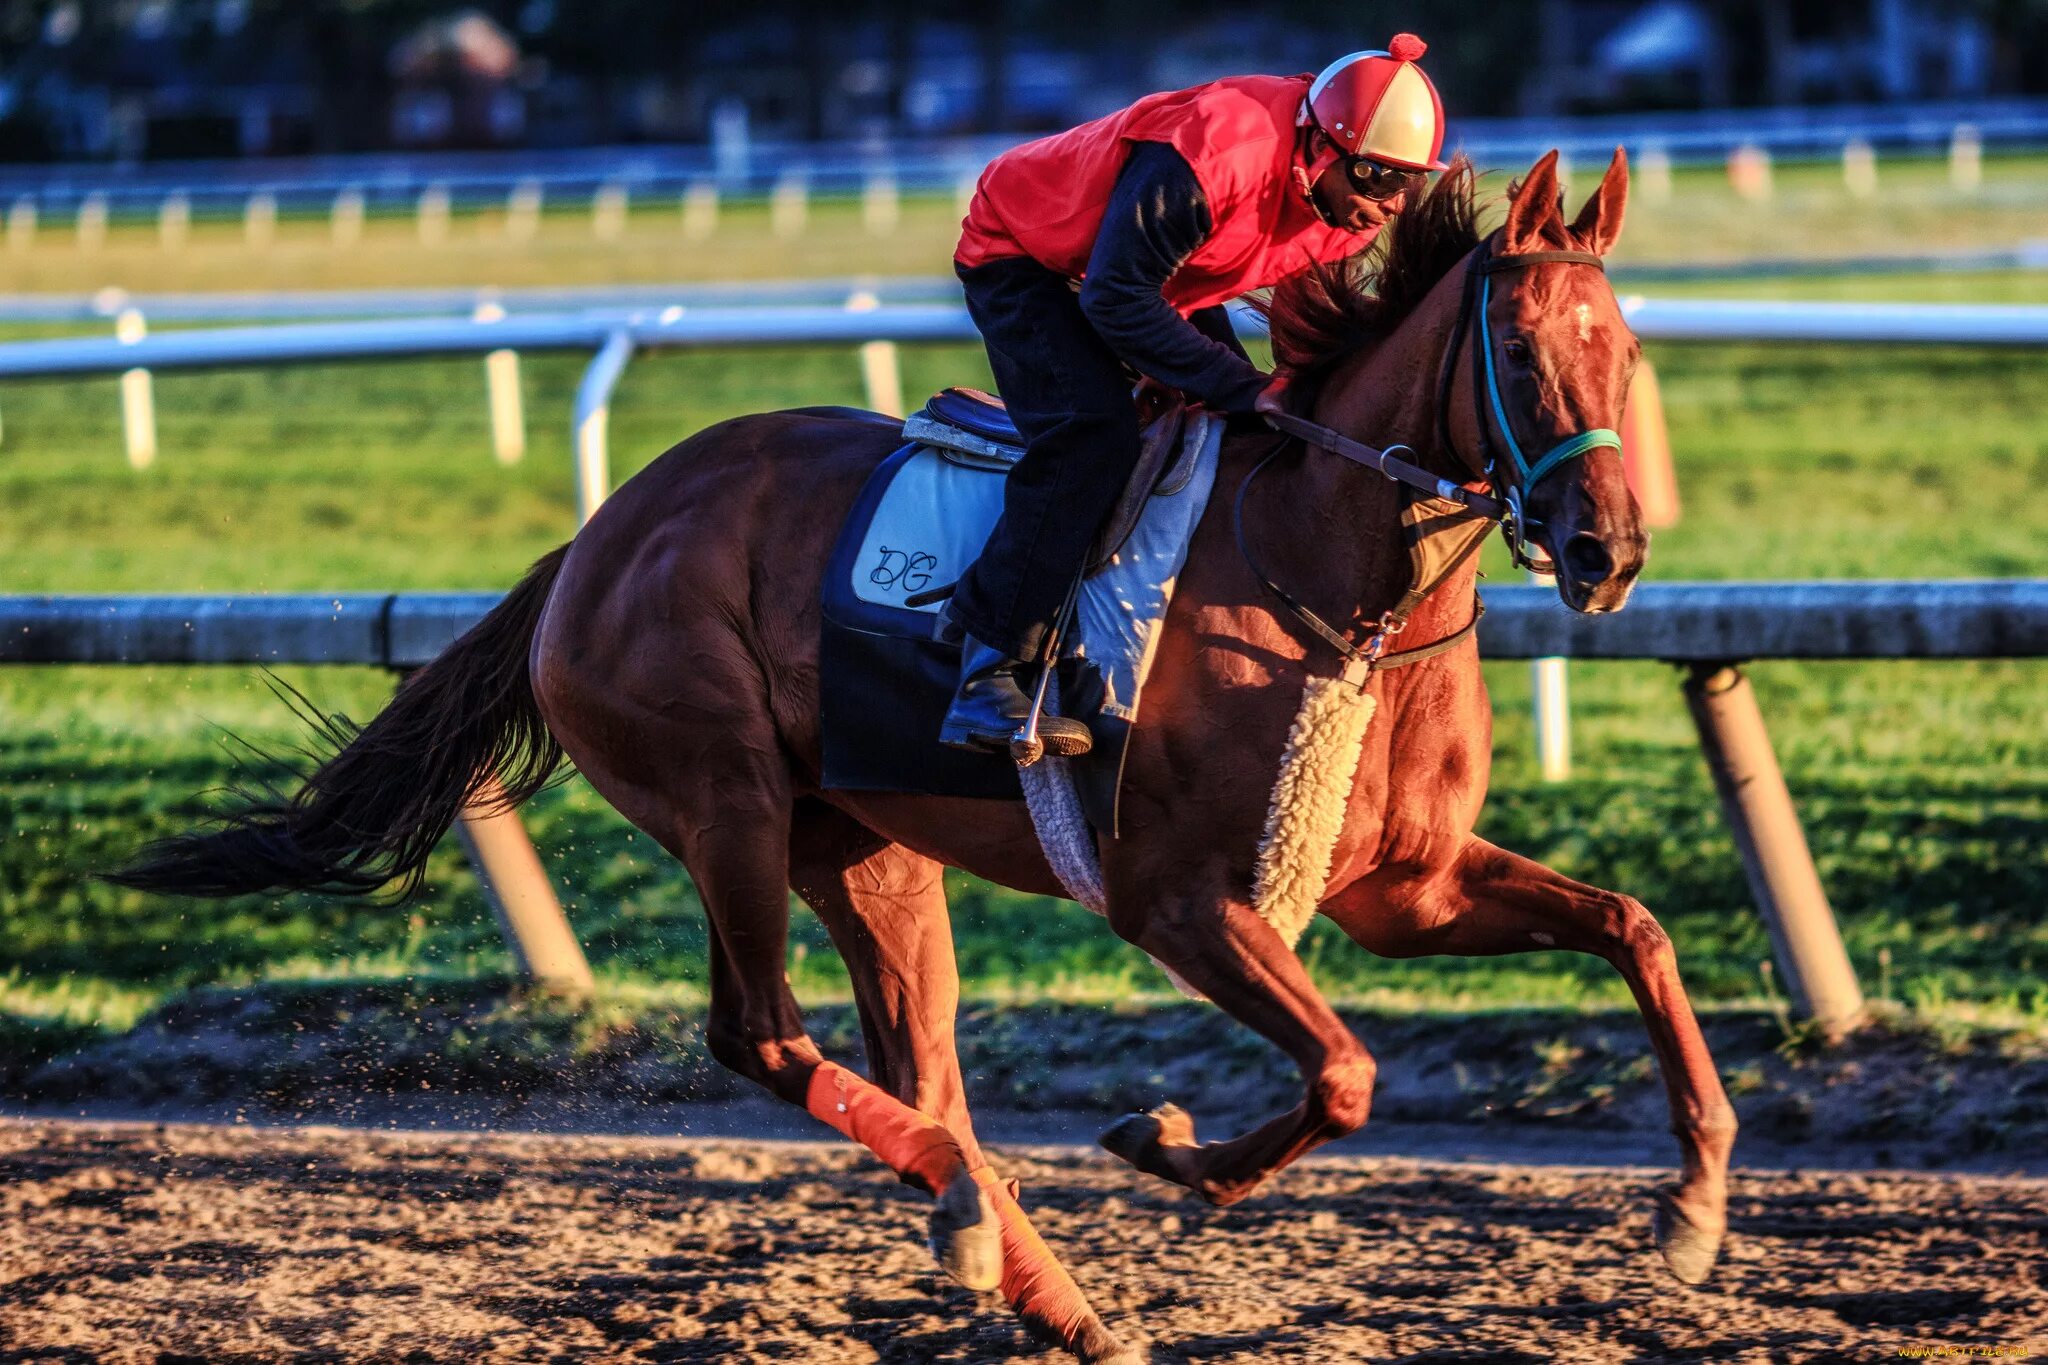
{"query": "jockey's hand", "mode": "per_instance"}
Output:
(1272, 400)
(1153, 399)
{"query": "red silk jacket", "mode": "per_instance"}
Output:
(1046, 198)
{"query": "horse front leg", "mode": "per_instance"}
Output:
(1219, 946)
(1493, 902)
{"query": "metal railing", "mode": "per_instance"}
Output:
(310, 304)
(1708, 628)
(613, 337)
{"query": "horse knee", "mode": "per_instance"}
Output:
(1342, 1094)
(1637, 936)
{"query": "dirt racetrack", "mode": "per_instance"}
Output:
(188, 1243)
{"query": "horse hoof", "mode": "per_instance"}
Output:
(1100, 1346)
(1689, 1250)
(1138, 1138)
(966, 1238)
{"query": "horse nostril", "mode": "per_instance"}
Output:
(1586, 558)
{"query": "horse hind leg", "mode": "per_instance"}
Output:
(733, 836)
(885, 908)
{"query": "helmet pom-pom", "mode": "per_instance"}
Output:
(1406, 47)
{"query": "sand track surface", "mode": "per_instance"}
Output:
(193, 1243)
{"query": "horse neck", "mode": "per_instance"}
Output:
(1335, 527)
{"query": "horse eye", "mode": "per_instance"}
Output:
(1517, 350)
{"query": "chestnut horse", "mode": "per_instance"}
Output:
(672, 651)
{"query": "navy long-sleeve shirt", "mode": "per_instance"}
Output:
(1156, 219)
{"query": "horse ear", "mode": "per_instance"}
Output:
(1599, 222)
(1533, 203)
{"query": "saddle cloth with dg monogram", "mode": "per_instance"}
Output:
(923, 516)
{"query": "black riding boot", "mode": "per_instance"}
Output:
(991, 706)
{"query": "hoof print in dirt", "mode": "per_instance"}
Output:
(1689, 1250)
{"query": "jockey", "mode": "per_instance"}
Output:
(1112, 248)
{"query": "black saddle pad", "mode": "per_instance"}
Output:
(919, 522)
(887, 682)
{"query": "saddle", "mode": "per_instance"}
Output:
(973, 428)
(919, 522)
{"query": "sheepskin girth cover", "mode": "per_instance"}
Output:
(1309, 800)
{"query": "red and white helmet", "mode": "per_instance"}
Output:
(1380, 105)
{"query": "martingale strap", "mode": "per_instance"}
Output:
(1360, 661)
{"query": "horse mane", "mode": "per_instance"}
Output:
(1333, 309)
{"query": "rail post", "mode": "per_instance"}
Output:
(259, 219)
(433, 213)
(522, 211)
(1550, 693)
(92, 221)
(1859, 168)
(138, 395)
(880, 367)
(789, 203)
(593, 423)
(608, 211)
(1749, 172)
(1966, 159)
(501, 385)
(21, 223)
(700, 210)
(1804, 936)
(345, 220)
(1553, 699)
(536, 931)
(174, 221)
(880, 205)
(1653, 174)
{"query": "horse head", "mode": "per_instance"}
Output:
(1553, 367)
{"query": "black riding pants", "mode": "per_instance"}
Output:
(1071, 400)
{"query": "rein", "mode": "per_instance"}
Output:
(1504, 505)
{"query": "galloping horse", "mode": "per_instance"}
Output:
(672, 651)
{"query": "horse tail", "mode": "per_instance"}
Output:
(464, 730)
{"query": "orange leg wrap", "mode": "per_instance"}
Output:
(914, 1146)
(1034, 1281)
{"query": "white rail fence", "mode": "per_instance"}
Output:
(1709, 629)
(310, 304)
(613, 337)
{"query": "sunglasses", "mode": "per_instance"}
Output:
(1378, 180)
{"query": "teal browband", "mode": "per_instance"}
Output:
(1558, 454)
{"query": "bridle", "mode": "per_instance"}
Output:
(1505, 502)
(1491, 415)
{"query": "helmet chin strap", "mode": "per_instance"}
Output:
(1313, 167)
(1305, 179)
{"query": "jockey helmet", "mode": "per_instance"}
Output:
(1379, 105)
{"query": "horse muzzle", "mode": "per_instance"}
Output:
(1595, 540)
